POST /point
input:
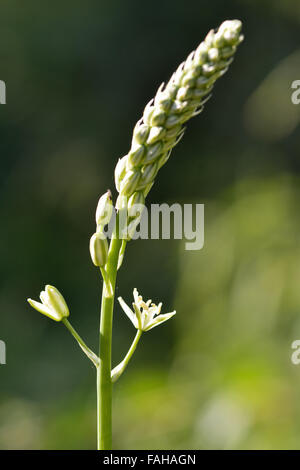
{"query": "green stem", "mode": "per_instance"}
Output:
(119, 369)
(106, 282)
(104, 382)
(90, 354)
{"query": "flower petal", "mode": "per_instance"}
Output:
(128, 312)
(160, 319)
(44, 299)
(44, 310)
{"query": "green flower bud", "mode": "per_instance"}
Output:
(213, 54)
(209, 69)
(129, 183)
(179, 107)
(136, 198)
(148, 111)
(99, 249)
(104, 209)
(201, 93)
(158, 117)
(120, 171)
(201, 54)
(121, 202)
(173, 132)
(233, 26)
(132, 226)
(184, 93)
(165, 103)
(219, 40)
(171, 89)
(141, 133)
(136, 204)
(228, 52)
(202, 82)
(172, 121)
(148, 175)
(153, 152)
(189, 79)
(135, 156)
(156, 133)
(209, 40)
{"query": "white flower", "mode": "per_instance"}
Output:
(53, 304)
(145, 315)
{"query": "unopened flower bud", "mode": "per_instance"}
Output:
(153, 152)
(120, 171)
(155, 134)
(148, 175)
(132, 226)
(104, 209)
(129, 183)
(158, 117)
(99, 249)
(136, 205)
(136, 198)
(121, 202)
(141, 133)
(135, 156)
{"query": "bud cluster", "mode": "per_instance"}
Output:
(98, 241)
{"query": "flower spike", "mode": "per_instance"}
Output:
(162, 124)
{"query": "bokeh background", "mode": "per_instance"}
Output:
(218, 375)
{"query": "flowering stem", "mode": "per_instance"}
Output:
(90, 354)
(119, 369)
(104, 382)
(106, 282)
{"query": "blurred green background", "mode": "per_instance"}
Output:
(218, 375)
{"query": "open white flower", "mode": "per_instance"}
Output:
(53, 304)
(145, 315)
